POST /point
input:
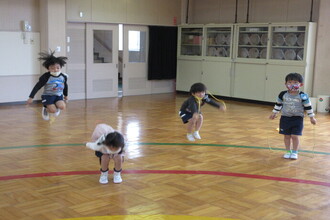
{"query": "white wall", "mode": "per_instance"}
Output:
(12, 13)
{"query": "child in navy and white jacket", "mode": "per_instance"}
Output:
(293, 103)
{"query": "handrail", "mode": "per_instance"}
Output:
(105, 46)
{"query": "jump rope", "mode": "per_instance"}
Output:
(51, 117)
(199, 101)
(270, 133)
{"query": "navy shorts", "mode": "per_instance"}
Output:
(99, 154)
(185, 116)
(291, 125)
(50, 99)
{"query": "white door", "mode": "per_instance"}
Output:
(135, 58)
(101, 60)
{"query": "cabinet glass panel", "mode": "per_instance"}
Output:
(191, 41)
(252, 42)
(218, 41)
(288, 43)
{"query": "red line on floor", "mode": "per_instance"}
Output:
(192, 172)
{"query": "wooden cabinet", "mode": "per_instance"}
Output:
(248, 61)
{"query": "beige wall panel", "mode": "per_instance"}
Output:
(13, 12)
(322, 64)
(168, 10)
(143, 11)
(223, 11)
(227, 11)
(268, 11)
(112, 11)
(298, 10)
(57, 26)
(74, 7)
(214, 11)
(204, 12)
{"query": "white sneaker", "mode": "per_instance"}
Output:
(196, 135)
(190, 137)
(58, 112)
(45, 114)
(294, 156)
(116, 177)
(104, 177)
(287, 155)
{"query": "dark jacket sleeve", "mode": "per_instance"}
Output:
(65, 90)
(211, 101)
(42, 81)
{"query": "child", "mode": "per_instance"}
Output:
(190, 110)
(54, 83)
(108, 144)
(292, 103)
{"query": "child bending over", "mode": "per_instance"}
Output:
(108, 144)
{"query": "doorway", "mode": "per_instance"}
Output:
(112, 62)
(135, 58)
(101, 60)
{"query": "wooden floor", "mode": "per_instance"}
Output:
(235, 171)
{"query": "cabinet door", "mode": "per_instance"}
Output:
(217, 77)
(188, 73)
(190, 41)
(252, 42)
(249, 81)
(275, 79)
(218, 42)
(288, 43)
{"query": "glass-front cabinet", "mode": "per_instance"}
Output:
(191, 41)
(252, 42)
(255, 42)
(250, 59)
(218, 43)
(288, 42)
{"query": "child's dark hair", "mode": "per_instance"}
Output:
(197, 87)
(115, 139)
(295, 77)
(49, 59)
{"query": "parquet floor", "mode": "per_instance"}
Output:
(235, 171)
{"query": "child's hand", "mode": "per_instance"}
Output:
(272, 116)
(29, 101)
(222, 108)
(66, 99)
(313, 120)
